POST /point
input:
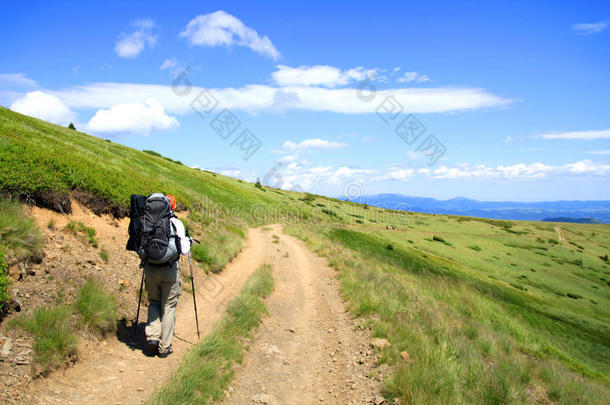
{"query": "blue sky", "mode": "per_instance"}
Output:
(509, 99)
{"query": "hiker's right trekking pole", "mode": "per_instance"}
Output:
(194, 299)
(135, 329)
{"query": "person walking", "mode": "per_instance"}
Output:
(159, 238)
(164, 287)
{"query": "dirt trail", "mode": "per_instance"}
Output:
(560, 234)
(114, 374)
(307, 351)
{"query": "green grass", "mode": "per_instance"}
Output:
(490, 311)
(207, 369)
(54, 338)
(97, 308)
(20, 240)
(473, 339)
(77, 228)
(4, 282)
(105, 256)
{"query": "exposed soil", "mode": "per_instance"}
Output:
(308, 350)
(560, 235)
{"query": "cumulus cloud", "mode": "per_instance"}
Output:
(520, 171)
(415, 77)
(14, 80)
(256, 98)
(320, 75)
(591, 28)
(310, 144)
(44, 106)
(579, 135)
(132, 117)
(296, 174)
(222, 29)
(130, 45)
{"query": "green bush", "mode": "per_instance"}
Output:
(97, 307)
(54, 340)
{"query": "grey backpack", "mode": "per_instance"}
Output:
(158, 236)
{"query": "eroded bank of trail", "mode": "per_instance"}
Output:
(113, 373)
(307, 350)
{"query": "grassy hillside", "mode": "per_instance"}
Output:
(487, 311)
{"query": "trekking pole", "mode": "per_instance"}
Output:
(194, 299)
(135, 329)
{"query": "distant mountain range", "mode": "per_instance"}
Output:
(566, 211)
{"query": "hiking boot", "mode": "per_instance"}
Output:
(165, 353)
(152, 347)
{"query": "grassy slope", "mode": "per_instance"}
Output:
(501, 311)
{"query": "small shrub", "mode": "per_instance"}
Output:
(390, 246)
(574, 296)
(604, 257)
(359, 221)
(475, 248)
(72, 127)
(78, 228)
(553, 241)
(104, 255)
(258, 184)
(51, 224)
(54, 339)
(98, 308)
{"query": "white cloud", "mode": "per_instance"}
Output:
(521, 171)
(132, 117)
(508, 139)
(44, 106)
(311, 144)
(409, 77)
(320, 75)
(599, 152)
(579, 135)
(256, 98)
(223, 29)
(13, 80)
(590, 28)
(169, 63)
(130, 45)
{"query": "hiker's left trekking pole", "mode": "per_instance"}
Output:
(135, 329)
(194, 299)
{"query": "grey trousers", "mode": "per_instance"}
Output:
(164, 286)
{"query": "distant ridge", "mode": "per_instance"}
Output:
(573, 220)
(568, 211)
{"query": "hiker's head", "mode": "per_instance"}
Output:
(172, 201)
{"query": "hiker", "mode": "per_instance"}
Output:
(159, 237)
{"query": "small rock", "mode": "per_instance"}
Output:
(379, 400)
(266, 399)
(6, 348)
(380, 343)
(140, 389)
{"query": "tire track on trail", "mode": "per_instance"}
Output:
(112, 373)
(307, 350)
